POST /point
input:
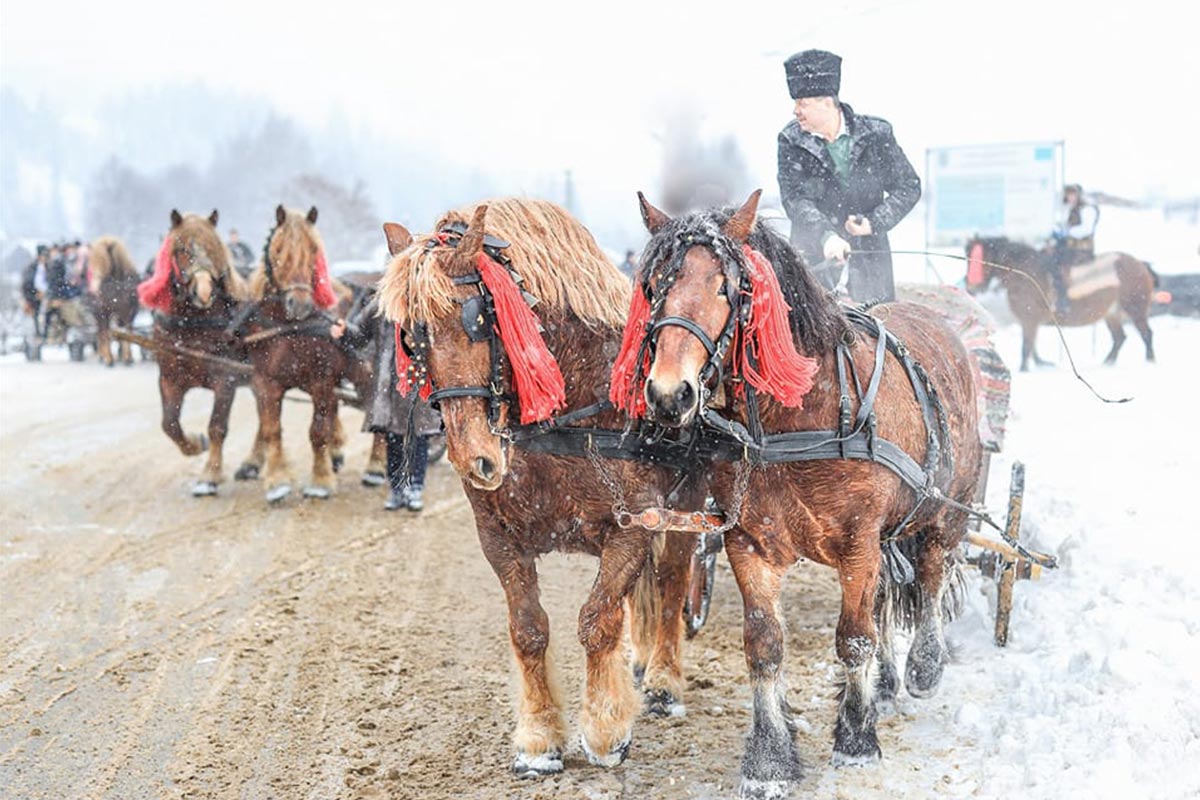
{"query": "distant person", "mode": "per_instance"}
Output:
(1073, 243)
(843, 179)
(242, 255)
(629, 265)
(35, 281)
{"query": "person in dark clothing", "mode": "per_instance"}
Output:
(35, 281)
(1073, 242)
(843, 179)
(389, 411)
(242, 255)
(629, 266)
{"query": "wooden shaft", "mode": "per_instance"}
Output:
(150, 344)
(1004, 593)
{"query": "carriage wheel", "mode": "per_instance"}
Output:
(700, 584)
(1008, 575)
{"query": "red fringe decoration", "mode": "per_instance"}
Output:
(625, 384)
(975, 265)
(539, 381)
(403, 362)
(323, 294)
(782, 372)
(155, 291)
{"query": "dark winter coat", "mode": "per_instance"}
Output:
(388, 410)
(880, 184)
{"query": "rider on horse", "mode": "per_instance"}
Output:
(1074, 241)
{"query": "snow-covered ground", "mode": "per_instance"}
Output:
(1098, 692)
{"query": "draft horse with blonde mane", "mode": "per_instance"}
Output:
(289, 344)
(1120, 286)
(112, 282)
(515, 384)
(838, 440)
(194, 293)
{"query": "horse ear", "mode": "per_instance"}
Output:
(213, 217)
(176, 218)
(280, 214)
(651, 216)
(398, 237)
(312, 216)
(740, 224)
(472, 240)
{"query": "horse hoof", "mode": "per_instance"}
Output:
(840, 760)
(661, 703)
(922, 679)
(203, 443)
(374, 479)
(527, 766)
(338, 461)
(246, 472)
(277, 493)
(614, 759)
(204, 489)
(763, 790)
(317, 492)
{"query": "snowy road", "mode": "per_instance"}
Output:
(152, 645)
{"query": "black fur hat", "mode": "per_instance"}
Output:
(813, 73)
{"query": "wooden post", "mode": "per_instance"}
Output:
(1004, 593)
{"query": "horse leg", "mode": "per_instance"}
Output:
(541, 731)
(610, 701)
(887, 681)
(336, 454)
(218, 426)
(854, 738)
(103, 342)
(172, 405)
(1117, 328)
(321, 436)
(771, 763)
(663, 683)
(927, 656)
(644, 605)
(1143, 328)
(249, 469)
(270, 408)
(1028, 336)
(376, 472)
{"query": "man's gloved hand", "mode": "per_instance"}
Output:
(837, 249)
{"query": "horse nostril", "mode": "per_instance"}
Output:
(685, 396)
(484, 468)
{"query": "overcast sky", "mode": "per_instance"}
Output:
(526, 90)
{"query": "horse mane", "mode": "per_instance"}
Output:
(154, 292)
(107, 255)
(555, 255)
(817, 321)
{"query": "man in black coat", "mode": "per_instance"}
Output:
(843, 179)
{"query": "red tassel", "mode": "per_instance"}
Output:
(323, 294)
(155, 291)
(782, 372)
(539, 381)
(975, 265)
(625, 384)
(404, 372)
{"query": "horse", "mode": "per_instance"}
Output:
(112, 281)
(194, 293)
(728, 328)
(502, 370)
(295, 298)
(1110, 287)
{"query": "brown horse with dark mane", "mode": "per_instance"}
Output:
(727, 325)
(504, 373)
(194, 293)
(1110, 287)
(112, 291)
(297, 299)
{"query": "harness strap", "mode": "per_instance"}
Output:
(690, 327)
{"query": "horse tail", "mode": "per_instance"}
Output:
(646, 604)
(904, 602)
(1157, 281)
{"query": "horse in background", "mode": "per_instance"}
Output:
(194, 293)
(1110, 287)
(551, 358)
(772, 330)
(293, 293)
(112, 281)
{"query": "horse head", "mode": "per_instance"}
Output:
(708, 305)
(198, 258)
(295, 266)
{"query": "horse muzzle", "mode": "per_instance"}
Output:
(672, 405)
